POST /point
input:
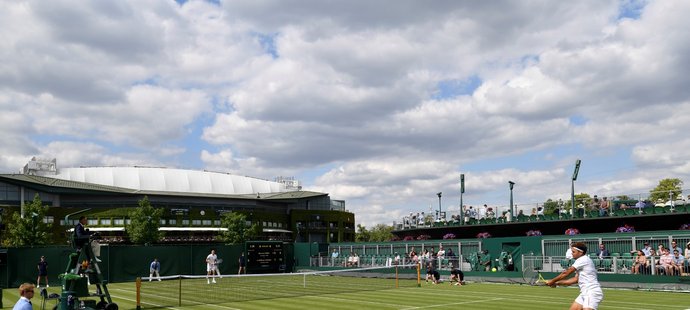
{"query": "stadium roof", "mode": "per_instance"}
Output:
(169, 180)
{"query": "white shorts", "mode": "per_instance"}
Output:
(210, 268)
(590, 299)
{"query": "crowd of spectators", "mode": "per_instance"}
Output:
(595, 206)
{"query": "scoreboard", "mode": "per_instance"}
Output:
(265, 256)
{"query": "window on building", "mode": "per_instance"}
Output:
(196, 222)
(49, 219)
(185, 222)
(216, 222)
(162, 221)
(172, 221)
(119, 222)
(206, 222)
(106, 222)
(92, 222)
(128, 221)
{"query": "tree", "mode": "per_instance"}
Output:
(581, 198)
(551, 206)
(381, 233)
(238, 229)
(362, 234)
(666, 186)
(29, 230)
(145, 223)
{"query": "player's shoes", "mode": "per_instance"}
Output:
(214, 281)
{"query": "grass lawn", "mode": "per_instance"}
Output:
(472, 296)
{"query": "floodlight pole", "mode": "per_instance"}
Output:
(462, 191)
(439, 205)
(511, 184)
(572, 187)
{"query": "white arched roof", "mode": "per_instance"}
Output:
(170, 180)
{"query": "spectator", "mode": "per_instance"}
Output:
(334, 256)
(569, 253)
(413, 256)
(641, 263)
(677, 263)
(647, 250)
(679, 200)
(534, 212)
(481, 212)
(596, 203)
(540, 210)
(353, 260)
(580, 210)
(675, 247)
(396, 259)
(602, 251)
(659, 203)
(660, 249)
(665, 262)
(26, 292)
(640, 204)
(604, 207)
(441, 254)
(42, 271)
(490, 214)
(504, 217)
(687, 251)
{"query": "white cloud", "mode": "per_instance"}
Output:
(351, 86)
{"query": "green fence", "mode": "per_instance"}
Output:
(123, 263)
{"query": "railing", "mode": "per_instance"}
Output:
(604, 265)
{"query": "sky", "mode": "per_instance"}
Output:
(382, 104)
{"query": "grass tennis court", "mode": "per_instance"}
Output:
(428, 296)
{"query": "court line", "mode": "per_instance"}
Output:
(353, 300)
(551, 299)
(163, 297)
(456, 303)
(148, 303)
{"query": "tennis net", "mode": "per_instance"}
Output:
(184, 290)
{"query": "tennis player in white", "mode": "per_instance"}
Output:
(585, 276)
(211, 266)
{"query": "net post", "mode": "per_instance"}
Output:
(419, 282)
(138, 286)
(396, 276)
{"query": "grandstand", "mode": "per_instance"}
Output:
(671, 214)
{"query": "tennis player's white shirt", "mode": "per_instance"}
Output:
(590, 290)
(211, 262)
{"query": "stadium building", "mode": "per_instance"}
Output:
(193, 202)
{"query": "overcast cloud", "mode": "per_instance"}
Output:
(378, 103)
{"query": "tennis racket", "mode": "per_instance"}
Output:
(219, 261)
(531, 276)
